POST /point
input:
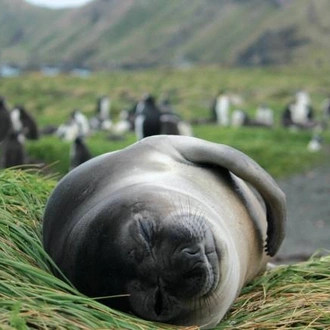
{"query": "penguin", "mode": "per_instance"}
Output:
(239, 118)
(221, 109)
(287, 116)
(79, 152)
(5, 121)
(315, 144)
(23, 122)
(13, 150)
(265, 115)
(68, 131)
(103, 108)
(102, 119)
(170, 124)
(81, 120)
(147, 119)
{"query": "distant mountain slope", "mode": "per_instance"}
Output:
(107, 33)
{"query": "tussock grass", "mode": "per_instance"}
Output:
(30, 297)
(288, 297)
(294, 296)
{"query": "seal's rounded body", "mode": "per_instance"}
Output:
(171, 222)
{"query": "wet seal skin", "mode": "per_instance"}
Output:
(175, 224)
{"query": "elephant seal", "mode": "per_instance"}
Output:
(175, 224)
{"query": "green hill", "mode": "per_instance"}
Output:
(114, 33)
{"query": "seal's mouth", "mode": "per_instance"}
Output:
(213, 272)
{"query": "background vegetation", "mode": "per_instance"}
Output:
(191, 91)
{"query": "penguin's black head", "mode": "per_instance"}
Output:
(2, 101)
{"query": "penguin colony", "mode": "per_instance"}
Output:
(148, 117)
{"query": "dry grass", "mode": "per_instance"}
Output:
(295, 296)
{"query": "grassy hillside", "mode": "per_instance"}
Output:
(21, 24)
(105, 34)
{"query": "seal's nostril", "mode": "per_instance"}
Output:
(145, 230)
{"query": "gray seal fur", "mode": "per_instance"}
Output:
(175, 224)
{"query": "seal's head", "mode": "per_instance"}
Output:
(162, 260)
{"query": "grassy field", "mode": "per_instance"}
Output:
(191, 91)
(295, 296)
(279, 152)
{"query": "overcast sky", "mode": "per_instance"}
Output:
(58, 3)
